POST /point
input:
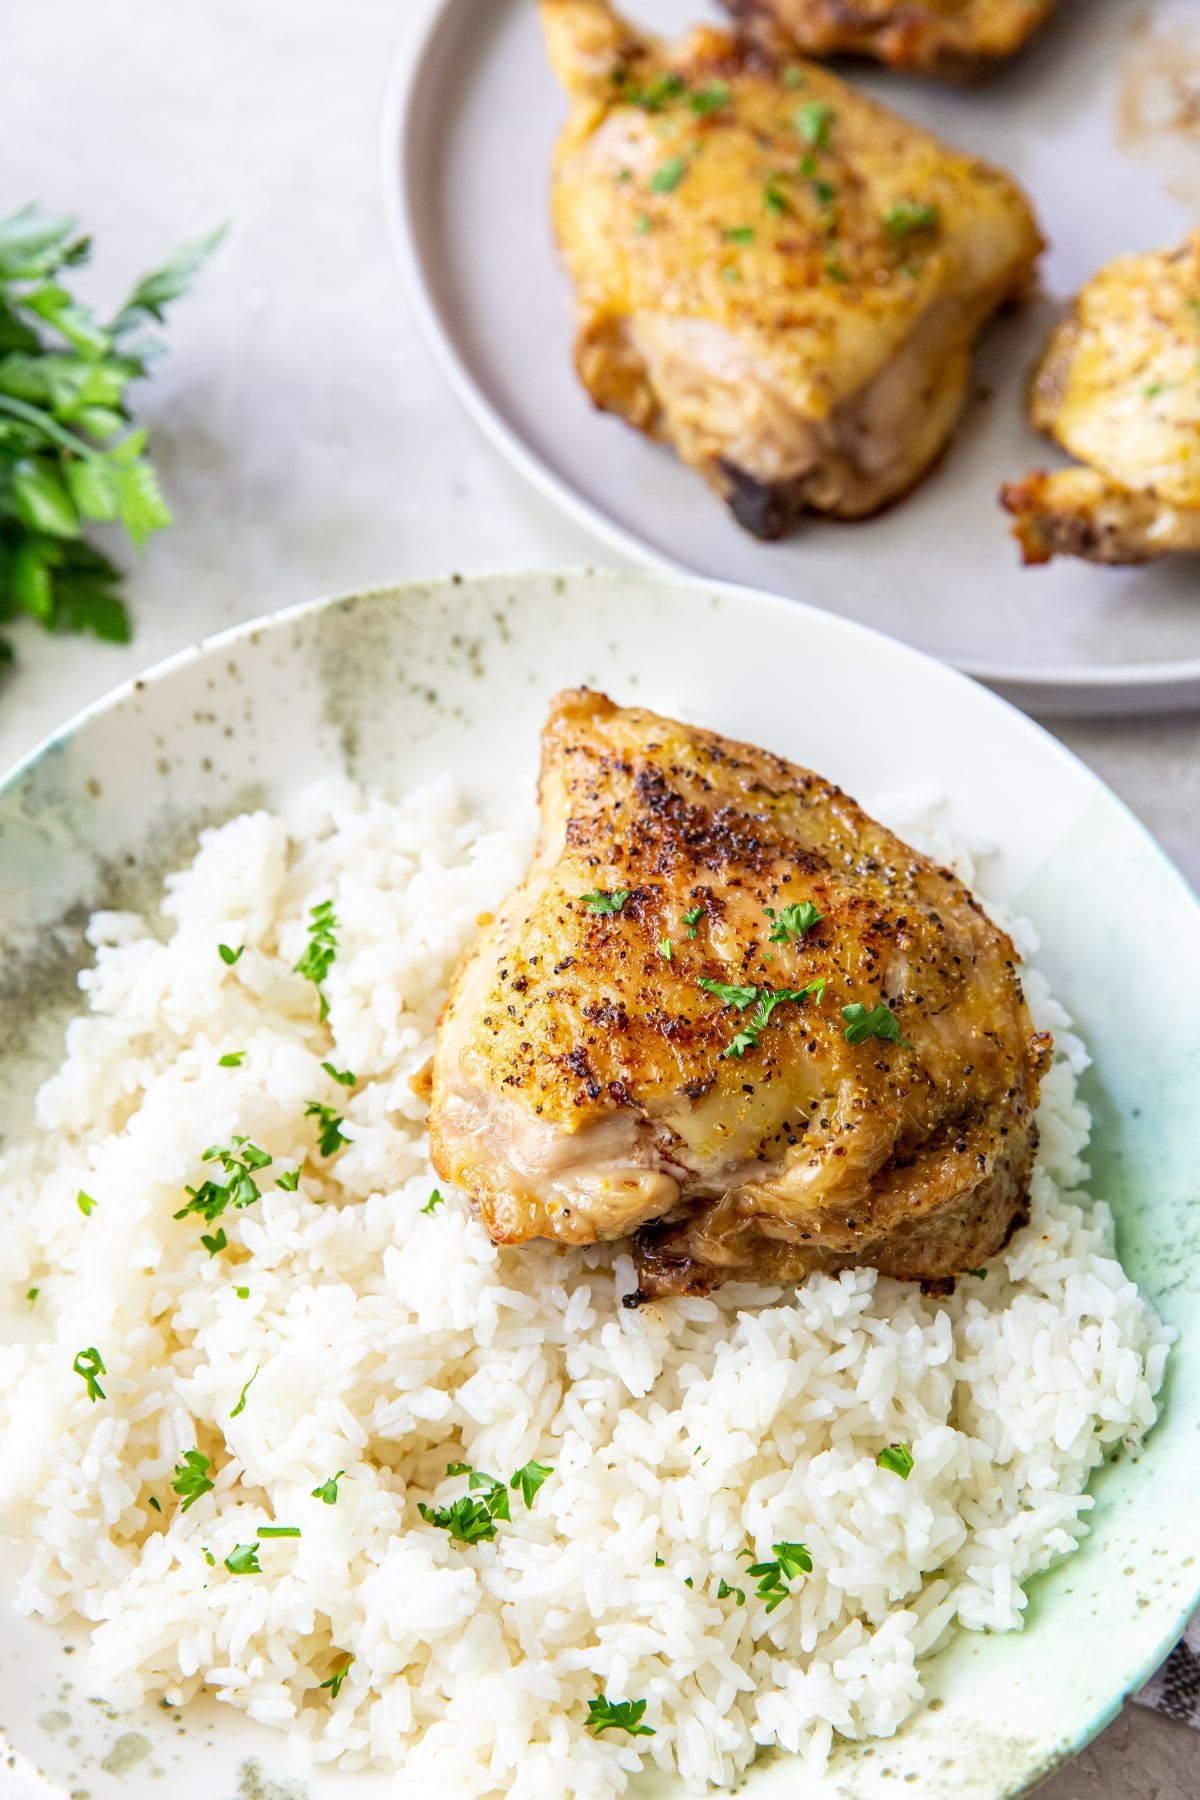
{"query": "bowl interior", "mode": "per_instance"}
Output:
(454, 676)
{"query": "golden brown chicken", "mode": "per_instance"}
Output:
(772, 273)
(1119, 387)
(956, 39)
(727, 1012)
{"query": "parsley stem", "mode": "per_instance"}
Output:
(33, 415)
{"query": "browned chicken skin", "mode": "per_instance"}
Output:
(772, 273)
(588, 1085)
(956, 39)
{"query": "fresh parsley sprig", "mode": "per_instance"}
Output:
(789, 1562)
(598, 901)
(192, 1481)
(321, 951)
(472, 1518)
(240, 1161)
(71, 453)
(617, 1715)
(880, 1022)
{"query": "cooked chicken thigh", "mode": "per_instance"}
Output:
(772, 273)
(958, 39)
(727, 1012)
(1119, 387)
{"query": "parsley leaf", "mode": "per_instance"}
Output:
(814, 119)
(330, 1136)
(240, 1161)
(277, 1531)
(692, 918)
(241, 1405)
(289, 1181)
(790, 1561)
(908, 218)
(667, 177)
(738, 234)
(897, 1458)
(768, 999)
(191, 1478)
(655, 94)
(600, 902)
(467, 1521)
(793, 922)
(530, 1478)
(328, 1490)
(232, 1059)
(89, 1363)
(710, 99)
(880, 1022)
(344, 1077)
(437, 1198)
(217, 1242)
(666, 949)
(228, 956)
(617, 1715)
(980, 1274)
(31, 1294)
(85, 1203)
(724, 1590)
(243, 1560)
(741, 997)
(321, 952)
(334, 1684)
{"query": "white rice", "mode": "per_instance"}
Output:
(390, 1343)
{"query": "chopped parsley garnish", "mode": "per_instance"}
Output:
(880, 1022)
(617, 1715)
(908, 218)
(209, 1558)
(85, 1203)
(89, 1363)
(814, 120)
(666, 949)
(897, 1458)
(710, 99)
(330, 1136)
(240, 1161)
(277, 1531)
(328, 1490)
(344, 1077)
(741, 997)
(321, 952)
(191, 1478)
(243, 1560)
(767, 1000)
(724, 1590)
(217, 1242)
(228, 956)
(692, 918)
(241, 1405)
(598, 901)
(31, 1294)
(793, 921)
(979, 1274)
(458, 1468)
(836, 271)
(153, 1501)
(232, 1059)
(289, 1181)
(790, 1561)
(774, 198)
(529, 1480)
(738, 234)
(667, 177)
(437, 1198)
(659, 1561)
(334, 1684)
(467, 1521)
(242, 1293)
(656, 93)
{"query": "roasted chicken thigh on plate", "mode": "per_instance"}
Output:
(1119, 387)
(958, 39)
(772, 273)
(730, 1016)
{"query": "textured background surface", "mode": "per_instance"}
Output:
(305, 442)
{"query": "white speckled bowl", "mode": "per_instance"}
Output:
(455, 675)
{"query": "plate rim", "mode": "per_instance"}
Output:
(1090, 783)
(1060, 689)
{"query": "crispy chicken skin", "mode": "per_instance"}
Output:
(586, 1084)
(1119, 387)
(783, 281)
(959, 40)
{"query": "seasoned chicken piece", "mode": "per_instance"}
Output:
(728, 1013)
(772, 273)
(957, 39)
(1119, 387)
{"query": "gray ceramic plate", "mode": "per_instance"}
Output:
(454, 676)
(1084, 121)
